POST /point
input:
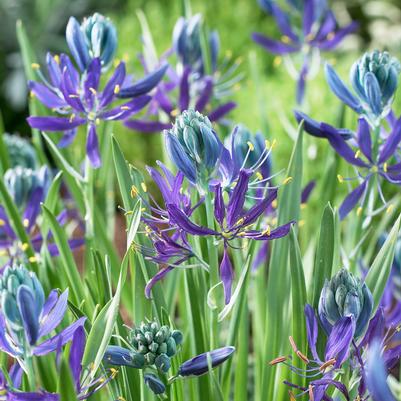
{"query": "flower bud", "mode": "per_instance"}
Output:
(22, 300)
(178, 337)
(163, 363)
(199, 365)
(22, 182)
(154, 383)
(193, 147)
(374, 78)
(120, 356)
(96, 37)
(345, 295)
(20, 152)
(171, 347)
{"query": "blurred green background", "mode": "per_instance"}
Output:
(269, 98)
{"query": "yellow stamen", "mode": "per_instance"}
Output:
(285, 39)
(35, 66)
(277, 61)
(120, 398)
(250, 146)
(25, 223)
(56, 58)
(303, 357)
(390, 209)
(303, 206)
(32, 259)
(93, 90)
(240, 221)
(116, 89)
(97, 121)
(72, 117)
(116, 62)
(385, 167)
(124, 108)
(144, 187)
(73, 96)
(359, 211)
(134, 191)
(2, 222)
(310, 37)
(267, 231)
(357, 154)
(174, 113)
(327, 364)
(310, 391)
(287, 180)
(113, 372)
(24, 246)
(374, 169)
(259, 176)
(274, 204)
(3, 252)
(31, 94)
(292, 396)
(340, 178)
(330, 36)
(126, 57)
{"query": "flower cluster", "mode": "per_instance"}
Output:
(317, 32)
(196, 81)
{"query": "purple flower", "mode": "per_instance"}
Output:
(10, 245)
(78, 100)
(26, 317)
(318, 32)
(320, 373)
(234, 221)
(371, 156)
(188, 85)
(10, 393)
(199, 365)
(85, 387)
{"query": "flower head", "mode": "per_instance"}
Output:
(26, 316)
(345, 295)
(317, 31)
(194, 147)
(20, 152)
(96, 37)
(374, 78)
(79, 100)
(22, 182)
(199, 364)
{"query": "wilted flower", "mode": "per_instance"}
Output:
(79, 101)
(26, 316)
(345, 295)
(318, 32)
(22, 182)
(199, 364)
(194, 147)
(96, 37)
(20, 152)
(374, 78)
(371, 154)
(154, 383)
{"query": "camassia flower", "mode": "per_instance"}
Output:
(26, 316)
(10, 392)
(374, 156)
(188, 84)
(234, 222)
(320, 373)
(317, 32)
(79, 102)
(11, 248)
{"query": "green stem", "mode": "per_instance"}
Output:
(30, 373)
(214, 276)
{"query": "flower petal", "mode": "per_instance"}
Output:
(92, 147)
(391, 143)
(351, 200)
(274, 46)
(221, 111)
(54, 316)
(226, 275)
(55, 123)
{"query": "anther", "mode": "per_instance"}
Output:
(278, 360)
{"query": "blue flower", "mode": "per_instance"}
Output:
(79, 101)
(194, 147)
(96, 37)
(317, 32)
(154, 383)
(199, 365)
(374, 78)
(26, 316)
(345, 295)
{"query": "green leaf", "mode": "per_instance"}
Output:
(298, 295)
(65, 385)
(324, 258)
(379, 272)
(134, 223)
(68, 264)
(103, 327)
